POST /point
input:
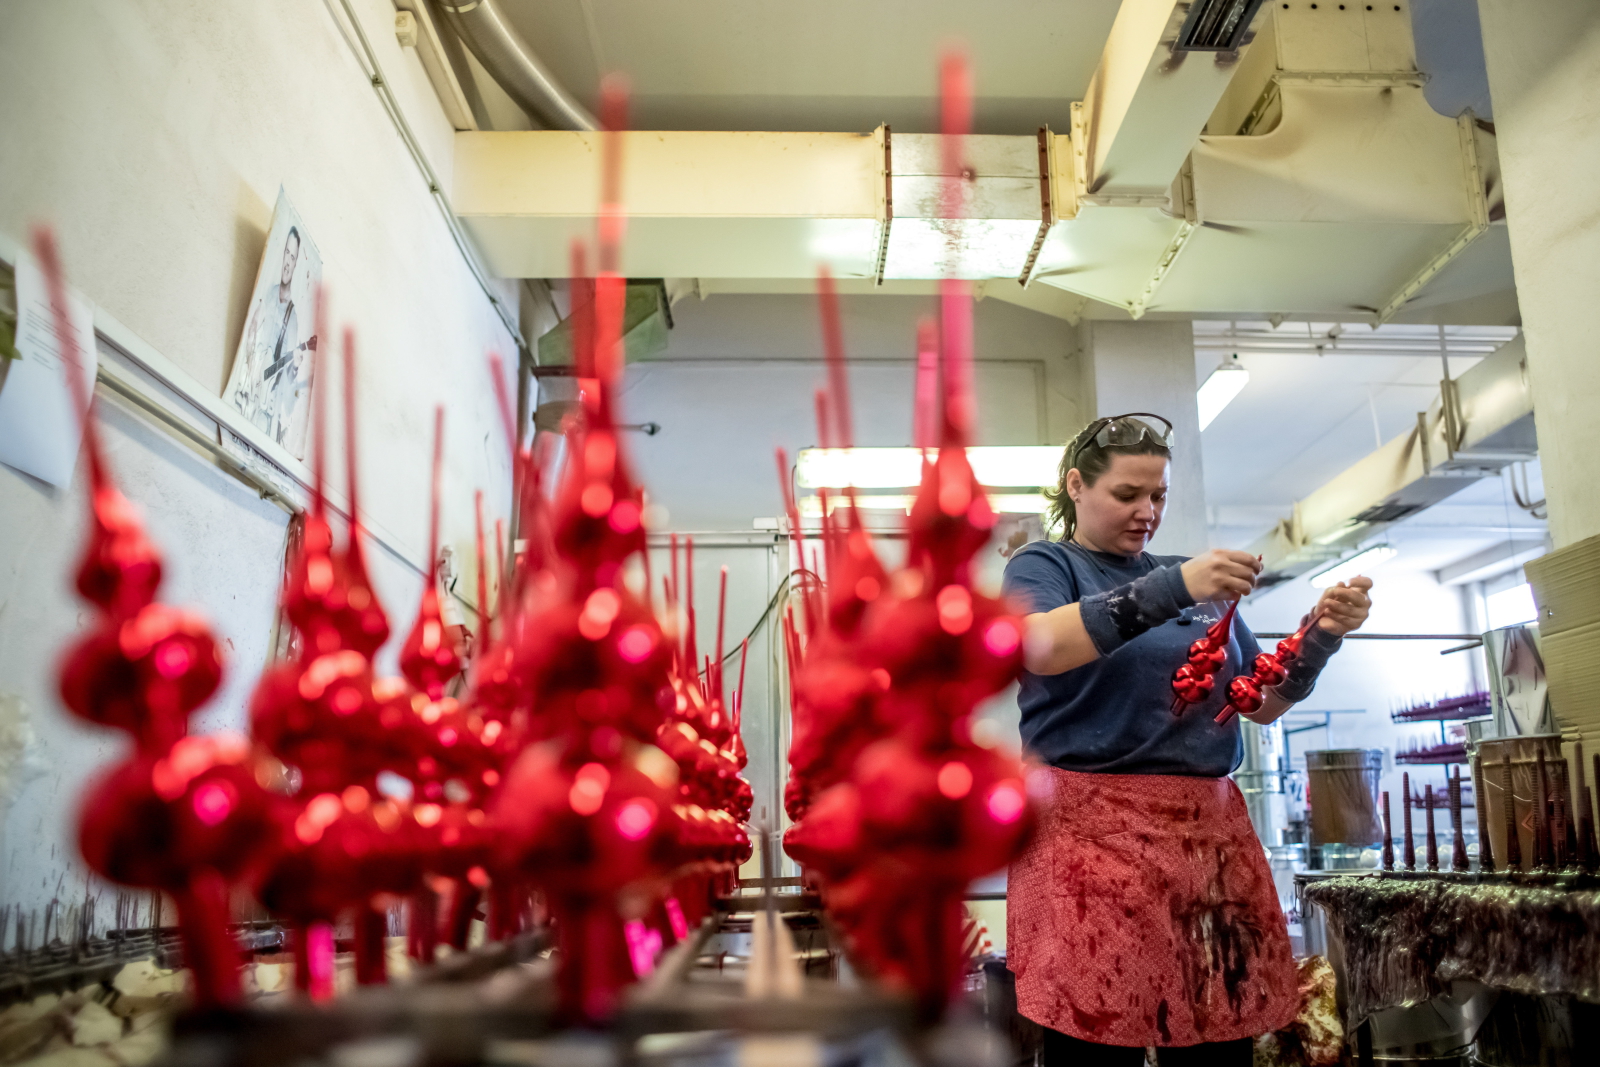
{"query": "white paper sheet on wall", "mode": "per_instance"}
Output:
(40, 426)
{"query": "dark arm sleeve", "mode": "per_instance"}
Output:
(1042, 580)
(1115, 617)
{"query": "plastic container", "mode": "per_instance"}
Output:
(1342, 784)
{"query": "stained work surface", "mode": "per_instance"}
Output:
(1406, 940)
(1137, 919)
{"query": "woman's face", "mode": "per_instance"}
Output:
(1122, 510)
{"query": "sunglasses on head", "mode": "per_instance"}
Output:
(1122, 431)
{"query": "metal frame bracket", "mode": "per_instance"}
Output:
(886, 216)
(1047, 213)
(1477, 225)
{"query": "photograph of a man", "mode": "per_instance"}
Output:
(271, 378)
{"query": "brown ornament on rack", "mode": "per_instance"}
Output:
(1480, 800)
(1558, 830)
(1433, 838)
(1405, 800)
(1541, 819)
(1569, 817)
(1508, 807)
(1586, 834)
(1458, 855)
(1388, 835)
(1585, 821)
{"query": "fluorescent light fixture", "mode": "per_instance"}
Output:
(1019, 503)
(1510, 607)
(1360, 563)
(1219, 390)
(894, 468)
(811, 506)
(1002, 503)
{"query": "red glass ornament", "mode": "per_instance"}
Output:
(1193, 682)
(183, 814)
(898, 809)
(429, 657)
(1270, 669)
(144, 673)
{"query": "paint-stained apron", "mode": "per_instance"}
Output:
(1144, 913)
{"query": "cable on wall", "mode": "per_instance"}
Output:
(367, 59)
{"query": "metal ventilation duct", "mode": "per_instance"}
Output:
(1216, 25)
(483, 27)
(1481, 423)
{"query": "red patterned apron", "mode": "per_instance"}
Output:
(1144, 914)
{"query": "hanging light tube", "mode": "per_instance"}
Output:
(894, 468)
(1225, 383)
(1346, 569)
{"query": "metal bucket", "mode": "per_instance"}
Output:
(1342, 786)
(1524, 752)
(1435, 1033)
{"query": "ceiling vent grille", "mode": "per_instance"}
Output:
(1387, 513)
(1216, 25)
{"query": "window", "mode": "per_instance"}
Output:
(1510, 607)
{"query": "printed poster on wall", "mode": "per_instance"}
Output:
(40, 424)
(270, 382)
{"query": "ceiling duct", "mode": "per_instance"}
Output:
(483, 27)
(1216, 25)
(1480, 423)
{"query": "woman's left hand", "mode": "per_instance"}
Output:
(1345, 606)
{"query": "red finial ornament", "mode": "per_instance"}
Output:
(1245, 693)
(181, 814)
(429, 658)
(587, 810)
(1194, 681)
(897, 809)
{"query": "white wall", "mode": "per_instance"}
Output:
(154, 136)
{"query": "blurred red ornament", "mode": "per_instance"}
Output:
(897, 809)
(185, 815)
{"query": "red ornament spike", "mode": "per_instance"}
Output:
(843, 435)
(364, 626)
(926, 397)
(121, 569)
(429, 658)
(691, 639)
(722, 617)
(484, 613)
(502, 578)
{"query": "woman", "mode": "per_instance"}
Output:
(1144, 913)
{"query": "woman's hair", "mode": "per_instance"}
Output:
(1092, 460)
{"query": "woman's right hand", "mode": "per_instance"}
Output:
(1221, 574)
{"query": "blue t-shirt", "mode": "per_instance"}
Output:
(1114, 715)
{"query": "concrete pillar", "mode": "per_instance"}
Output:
(1544, 78)
(1149, 366)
